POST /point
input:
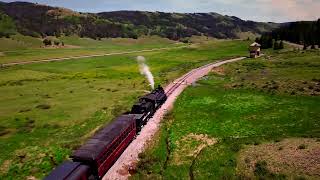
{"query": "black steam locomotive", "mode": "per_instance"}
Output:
(99, 153)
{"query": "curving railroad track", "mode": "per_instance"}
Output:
(128, 160)
(184, 78)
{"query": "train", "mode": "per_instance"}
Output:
(95, 157)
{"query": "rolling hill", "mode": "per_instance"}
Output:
(41, 20)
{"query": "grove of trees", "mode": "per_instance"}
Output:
(7, 26)
(306, 33)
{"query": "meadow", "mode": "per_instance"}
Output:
(20, 48)
(254, 119)
(49, 109)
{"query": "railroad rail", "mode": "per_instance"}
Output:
(131, 154)
(186, 76)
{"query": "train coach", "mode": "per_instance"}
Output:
(104, 148)
(99, 153)
(71, 171)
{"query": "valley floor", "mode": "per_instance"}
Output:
(49, 109)
(247, 120)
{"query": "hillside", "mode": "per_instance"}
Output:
(41, 20)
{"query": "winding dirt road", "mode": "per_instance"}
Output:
(129, 158)
(86, 56)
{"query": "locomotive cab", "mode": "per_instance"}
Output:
(142, 107)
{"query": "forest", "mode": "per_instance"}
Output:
(306, 33)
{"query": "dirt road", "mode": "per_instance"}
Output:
(88, 56)
(298, 46)
(130, 156)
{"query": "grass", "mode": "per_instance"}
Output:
(49, 109)
(19, 42)
(24, 48)
(245, 103)
(280, 160)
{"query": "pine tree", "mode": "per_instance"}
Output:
(299, 32)
(318, 32)
(275, 45)
(305, 47)
(47, 42)
(269, 42)
(7, 26)
(258, 40)
(281, 46)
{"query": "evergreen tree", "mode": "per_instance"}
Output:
(47, 42)
(305, 47)
(313, 46)
(258, 40)
(275, 45)
(7, 26)
(281, 46)
(304, 32)
(269, 42)
(318, 32)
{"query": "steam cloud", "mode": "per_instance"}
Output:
(144, 70)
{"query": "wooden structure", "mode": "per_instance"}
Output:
(255, 50)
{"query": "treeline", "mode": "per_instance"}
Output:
(268, 42)
(7, 26)
(306, 33)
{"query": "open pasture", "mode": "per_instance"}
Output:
(250, 119)
(20, 48)
(49, 109)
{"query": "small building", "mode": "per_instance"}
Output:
(255, 50)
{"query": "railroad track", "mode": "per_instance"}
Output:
(186, 76)
(120, 170)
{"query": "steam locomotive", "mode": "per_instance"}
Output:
(92, 160)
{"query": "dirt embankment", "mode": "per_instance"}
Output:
(291, 157)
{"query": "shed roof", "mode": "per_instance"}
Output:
(255, 45)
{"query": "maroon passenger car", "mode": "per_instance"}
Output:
(102, 150)
(70, 171)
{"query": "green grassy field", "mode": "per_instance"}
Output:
(20, 48)
(254, 119)
(49, 109)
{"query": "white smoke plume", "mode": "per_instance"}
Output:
(144, 70)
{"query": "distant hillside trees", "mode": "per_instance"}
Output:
(265, 41)
(281, 46)
(47, 42)
(268, 42)
(42, 21)
(306, 33)
(7, 26)
(278, 45)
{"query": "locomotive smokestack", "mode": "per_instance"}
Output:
(144, 70)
